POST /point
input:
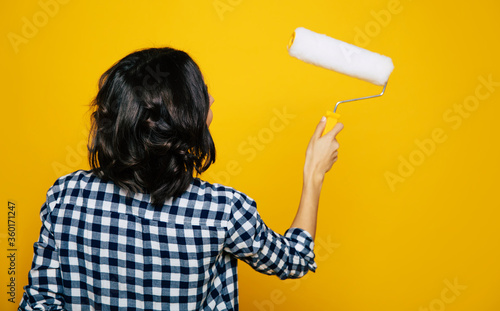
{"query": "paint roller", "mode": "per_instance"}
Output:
(342, 57)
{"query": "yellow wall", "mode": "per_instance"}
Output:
(409, 215)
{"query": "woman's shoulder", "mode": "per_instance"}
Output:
(70, 180)
(74, 180)
(67, 187)
(76, 176)
(218, 191)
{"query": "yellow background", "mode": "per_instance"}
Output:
(398, 223)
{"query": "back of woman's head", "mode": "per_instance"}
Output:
(149, 132)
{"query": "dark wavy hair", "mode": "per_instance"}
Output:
(149, 132)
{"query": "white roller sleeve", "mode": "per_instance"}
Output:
(345, 58)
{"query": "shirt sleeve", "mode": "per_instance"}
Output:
(45, 286)
(249, 239)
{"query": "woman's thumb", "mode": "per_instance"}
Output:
(320, 127)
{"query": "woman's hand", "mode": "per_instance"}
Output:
(320, 155)
(322, 152)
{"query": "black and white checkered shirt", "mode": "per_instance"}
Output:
(100, 249)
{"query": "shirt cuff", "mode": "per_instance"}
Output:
(304, 245)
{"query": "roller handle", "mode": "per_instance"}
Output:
(331, 119)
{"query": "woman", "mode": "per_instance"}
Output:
(139, 231)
